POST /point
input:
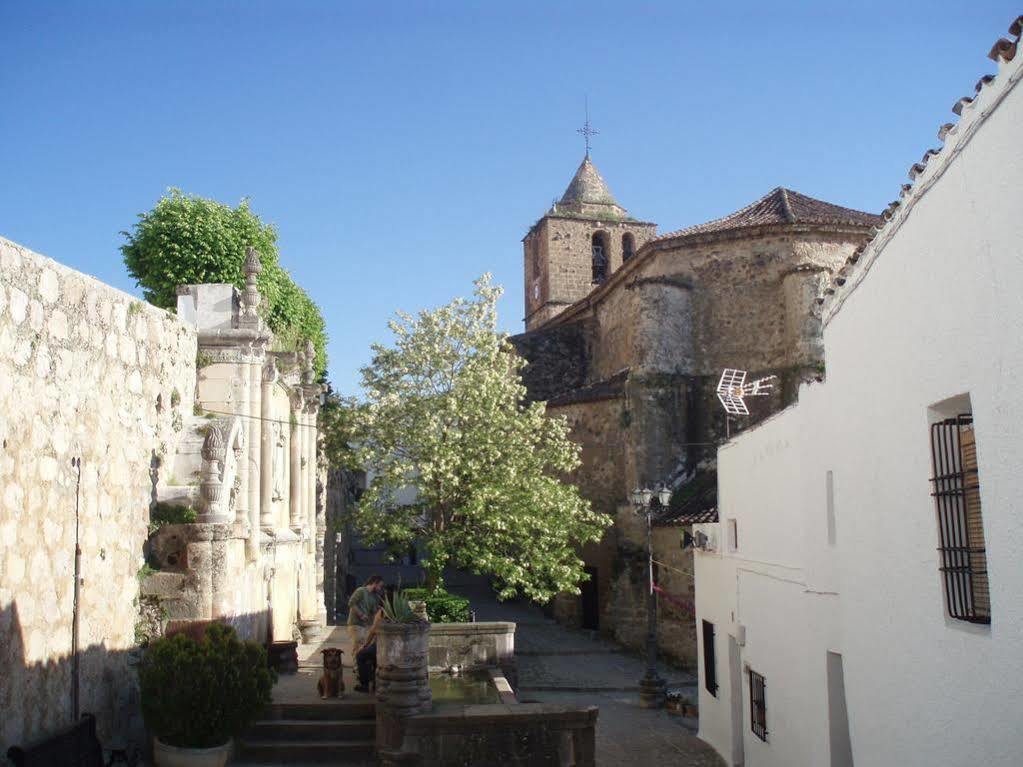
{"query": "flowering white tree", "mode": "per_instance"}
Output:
(447, 414)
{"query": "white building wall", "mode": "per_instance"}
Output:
(939, 313)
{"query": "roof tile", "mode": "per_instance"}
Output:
(781, 206)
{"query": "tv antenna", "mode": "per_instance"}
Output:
(733, 390)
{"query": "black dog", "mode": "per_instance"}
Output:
(366, 667)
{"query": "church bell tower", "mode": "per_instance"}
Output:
(578, 244)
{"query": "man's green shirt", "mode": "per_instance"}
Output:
(366, 602)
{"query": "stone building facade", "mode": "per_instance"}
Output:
(107, 406)
(632, 359)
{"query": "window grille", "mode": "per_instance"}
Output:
(599, 263)
(960, 525)
(710, 674)
(758, 704)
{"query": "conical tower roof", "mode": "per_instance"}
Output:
(588, 194)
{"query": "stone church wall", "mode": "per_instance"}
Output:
(87, 372)
(661, 333)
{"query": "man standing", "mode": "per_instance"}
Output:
(362, 609)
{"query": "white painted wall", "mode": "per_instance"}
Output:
(934, 310)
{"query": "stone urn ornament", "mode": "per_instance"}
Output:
(403, 679)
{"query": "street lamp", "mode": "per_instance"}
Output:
(652, 686)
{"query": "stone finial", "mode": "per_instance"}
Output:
(251, 268)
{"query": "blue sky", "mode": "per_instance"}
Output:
(404, 148)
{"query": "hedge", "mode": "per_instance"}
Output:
(441, 606)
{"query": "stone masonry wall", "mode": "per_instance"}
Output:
(563, 248)
(670, 325)
(88, 372)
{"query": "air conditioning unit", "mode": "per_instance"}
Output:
(702, 541)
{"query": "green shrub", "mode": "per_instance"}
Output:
(189, 240)
(164, 513)
(441, 606)
(199, 694)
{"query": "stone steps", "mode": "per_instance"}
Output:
(312, 752)
(332, 711)
(313, 730)
(335, 732)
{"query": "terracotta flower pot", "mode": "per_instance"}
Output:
(173, 756)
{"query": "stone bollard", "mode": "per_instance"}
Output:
(403, 681)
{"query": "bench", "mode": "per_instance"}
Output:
(74, 746)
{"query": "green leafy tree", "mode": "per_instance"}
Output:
(187, 240)
(447, 414)
(340, 431)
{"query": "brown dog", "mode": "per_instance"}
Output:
(332, 683)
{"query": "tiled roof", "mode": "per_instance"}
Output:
(588, 186)
(781, 206)
(1002, 52)
(694, 503)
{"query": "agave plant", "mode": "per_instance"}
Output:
(397, 609)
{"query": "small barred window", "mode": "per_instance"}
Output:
(956, 490)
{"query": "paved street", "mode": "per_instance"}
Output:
(559, 665)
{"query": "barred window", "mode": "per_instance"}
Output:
(599, 252)
(758, 704)
(962, 556)
(710, 674)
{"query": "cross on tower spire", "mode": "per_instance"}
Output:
(587, 130)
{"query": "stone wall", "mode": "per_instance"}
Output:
(468, 646)
(524, 735)
(87, 373)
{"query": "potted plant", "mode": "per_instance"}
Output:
(198, 695)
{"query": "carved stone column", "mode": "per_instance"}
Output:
(311, 392)
(295, 449)
(310, 474)
(240, 384)
(321, 535)
(266, 445)
(249, 320)
(254, 453)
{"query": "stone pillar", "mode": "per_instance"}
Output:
(321, 535)
(253, 454)
(295, 451)
(310, 474)
(311, 393)
(266, 445)
(240, 383)
(303, 517)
